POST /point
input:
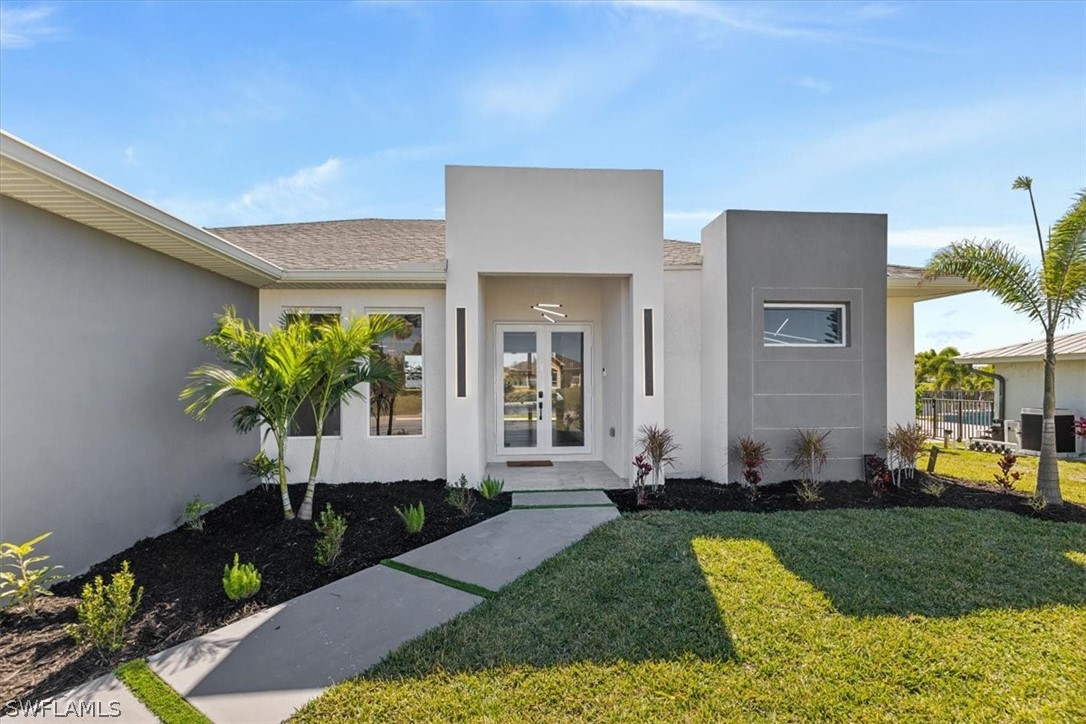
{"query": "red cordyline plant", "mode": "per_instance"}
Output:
(644, 467)
(753, 456)
(1080, 427)
(1007, 476)
(878, 475)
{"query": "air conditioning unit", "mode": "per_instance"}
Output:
(1030, 436)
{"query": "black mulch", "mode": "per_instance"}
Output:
(704, 496)
(181, 572)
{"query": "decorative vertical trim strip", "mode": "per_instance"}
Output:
(461, 353)
(650, 372)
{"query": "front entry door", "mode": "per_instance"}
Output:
(543, 378)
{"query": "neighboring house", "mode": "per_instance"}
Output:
(549, 319)
(1020, 370)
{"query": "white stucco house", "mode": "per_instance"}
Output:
(548, 320)
(1019, 370)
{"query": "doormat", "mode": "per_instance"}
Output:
(530, 464)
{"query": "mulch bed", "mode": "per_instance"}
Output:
(707, 497)
(181, 572)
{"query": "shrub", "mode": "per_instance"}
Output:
(331, 527)
(491, 488)
(753, 456)
(413, 516)
(903, 444)
(1080, 427)
(459, 496)
(1007, 475)
(193, 515)
(1037, 501)
(240, 581)
(644, 467)
(878, 475)
(809, 452)
(933, 487)
(24, 585)
(104, 611)
(262, 469)
(658, 444)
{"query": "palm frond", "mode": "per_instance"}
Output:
(994, 266)
(1065, 263)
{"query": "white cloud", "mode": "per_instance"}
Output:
(814, 84)
(22, 27)
(130, 155)
(1021, 237)
(297, 196)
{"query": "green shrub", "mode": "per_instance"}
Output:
(414, 517)
(809, 451)
(491, 488)
(332, 527)
(459, 496)
(193, 514)
(262, 469)
(1037, 501)
(240, 581)
(104, 611)
(933, 487)
(24, 585)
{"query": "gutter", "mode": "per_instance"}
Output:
(1002, 390)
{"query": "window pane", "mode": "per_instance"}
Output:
(804, 325)
(397, 409)
(305, 422)
(567, 389)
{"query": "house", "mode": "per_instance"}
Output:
(1019, 370)
(549, 319)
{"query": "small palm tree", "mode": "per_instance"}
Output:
(273, 369)
(1052, 295)
(344, 357)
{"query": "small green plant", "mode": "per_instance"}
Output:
(331, 527)
(659, 446)
(491, 488)
(933, 487)
(262, 469)
(903, 444)
(104, 611)
(413, 516)
(24, 585)
(193, 515)
(810, 450)
(1007, 475)
(460, 496)
(1037, 502)
(240, 580)
(753, 456)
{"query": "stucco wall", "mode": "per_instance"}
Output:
(1025, 385)
(900, 375)
(715, 434)
(805, 258)
(683, 358)
(553, 222)
(355, 455)
(98, 335)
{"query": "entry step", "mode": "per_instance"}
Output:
(562, 499)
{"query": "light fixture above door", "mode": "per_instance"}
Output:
(547, 310)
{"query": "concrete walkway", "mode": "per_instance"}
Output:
(262, 668)
(559, 476)
(104, 698)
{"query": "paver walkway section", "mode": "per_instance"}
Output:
(262, 668)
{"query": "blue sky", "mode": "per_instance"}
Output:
(258, 113)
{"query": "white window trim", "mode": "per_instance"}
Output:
(303, 309)
(809, 305)
(425, 414)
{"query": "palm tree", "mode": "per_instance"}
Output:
(1052, 295)
(344, 358)
(273, 369)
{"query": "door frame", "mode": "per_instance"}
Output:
(587, 389)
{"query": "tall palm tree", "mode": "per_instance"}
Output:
(344, 357)
(273, 369)
(1053, 295)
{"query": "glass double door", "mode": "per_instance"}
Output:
(544, 371)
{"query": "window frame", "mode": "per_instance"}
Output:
(325, 311)
(845, 336)
(421, 312)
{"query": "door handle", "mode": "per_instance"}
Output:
(541, 409)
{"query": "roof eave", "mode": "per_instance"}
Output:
(921, 290)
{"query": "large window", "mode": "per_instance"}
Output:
(804, 325)
(397, 409)
(305, 422)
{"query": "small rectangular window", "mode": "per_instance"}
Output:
(650, 373)
(398, 409)
(804, 325)
(461, 353)
(305, 422)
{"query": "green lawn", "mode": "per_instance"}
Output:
(846, 615)
(982, 466)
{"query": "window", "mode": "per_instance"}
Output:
(804, 325)
(398, 409)
(305, 422)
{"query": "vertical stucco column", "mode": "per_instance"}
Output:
(646, 292)
(464, 416)
(900, 355)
